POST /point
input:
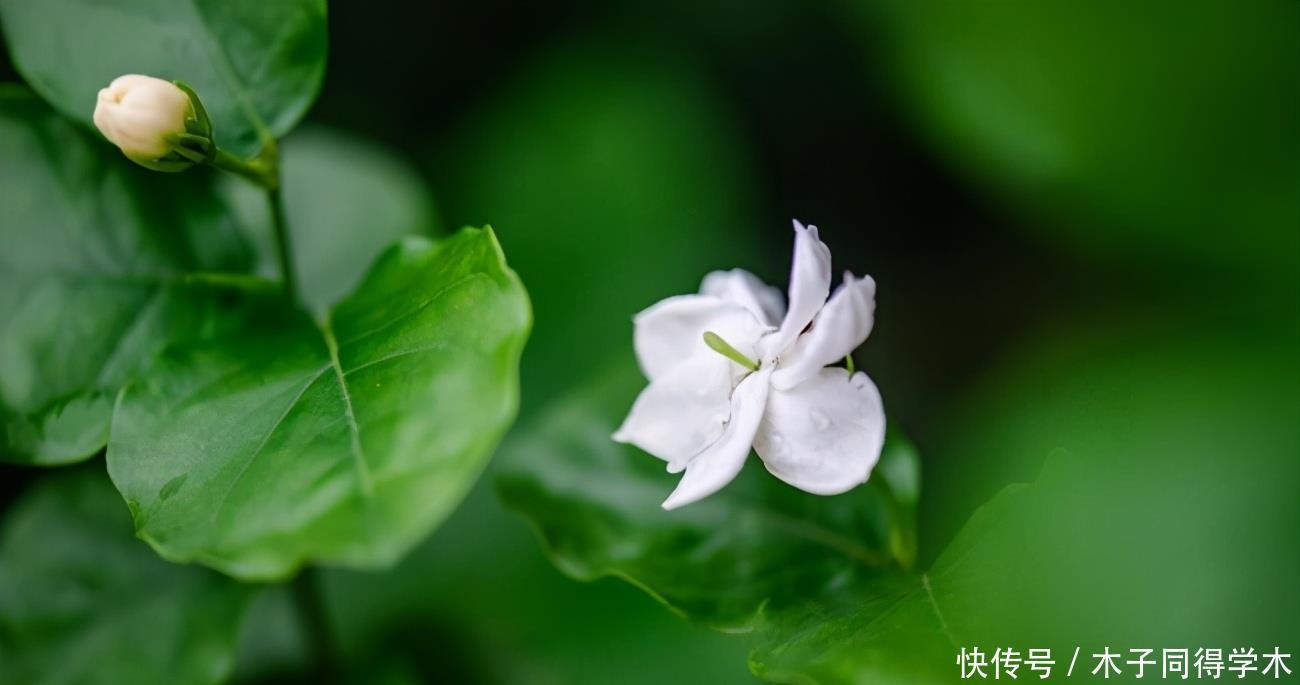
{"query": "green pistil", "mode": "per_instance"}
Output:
(717, 344)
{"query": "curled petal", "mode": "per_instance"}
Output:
(839, 328)
(682, 412)
(138, 114)
(138, 131)
(824, 435)
(716, 466)
(745, 289)
(672, 331)
(810, 283)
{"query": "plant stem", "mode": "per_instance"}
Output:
(283, 244)
(315, 623)
(264, 170)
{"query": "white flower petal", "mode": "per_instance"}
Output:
(672, 331)
(682, 412)
(138, 113)
(745, 289)
(839, 328)
(810, 283)
(719, 464)
(825, 434)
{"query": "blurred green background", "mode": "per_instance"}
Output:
(1083, 217)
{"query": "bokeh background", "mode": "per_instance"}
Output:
(1084, 220)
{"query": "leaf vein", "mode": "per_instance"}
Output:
(397, 355)
(354, 430)
(221, 505)
(934, 605)
(421, 307)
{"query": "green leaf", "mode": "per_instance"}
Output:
(256, 65)
(909, 628)
(987, 588)
(1071, 561)
(341, 442)
(83, 601)
(756, 547)
(1141, 532)
(101, 267)
(345, 199)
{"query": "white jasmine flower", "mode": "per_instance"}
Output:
(142, 115)
(732, 368)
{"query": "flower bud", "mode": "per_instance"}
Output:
(142, 115)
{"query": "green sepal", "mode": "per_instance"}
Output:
(169, 164)
(200, 124)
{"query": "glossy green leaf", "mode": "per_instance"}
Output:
(345, 199)
(83, 601)
(100, 267)
(980, 591)
(256, 65)
(1142, 531)
(1154, 523)
(342, 442)
(755, 547)
(794, 577)
(909, 628)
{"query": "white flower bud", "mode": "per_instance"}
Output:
(139, 114)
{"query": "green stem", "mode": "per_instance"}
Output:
(261, 170)
(848, 363)
(264, 170)
(283, 244)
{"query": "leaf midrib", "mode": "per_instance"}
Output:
(326, 329)
(354, 430)
(355, 449)
(934, 605)
(225, 498)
